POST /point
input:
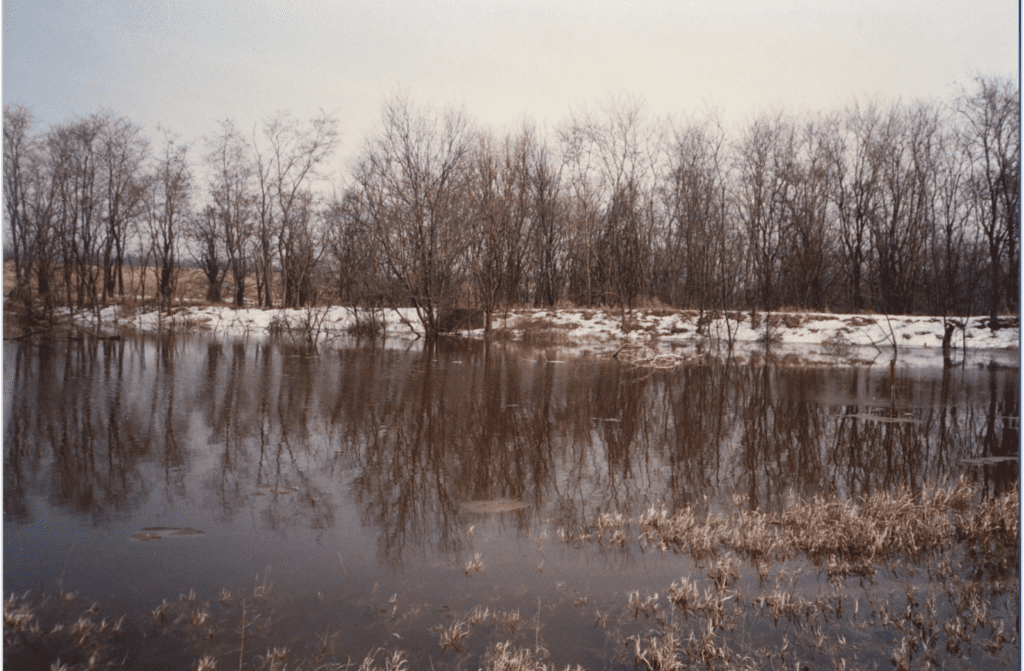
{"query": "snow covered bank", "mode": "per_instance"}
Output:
(794, 336)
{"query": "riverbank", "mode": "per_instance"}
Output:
(793, 337)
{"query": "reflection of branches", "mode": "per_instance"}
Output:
(72, 419)
(413, 436)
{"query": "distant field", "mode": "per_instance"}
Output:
(141, 284)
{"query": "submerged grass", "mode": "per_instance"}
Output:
(904, 579)
(857, 533)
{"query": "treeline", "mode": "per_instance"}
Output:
(897, 208)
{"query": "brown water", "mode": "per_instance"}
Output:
(343, 498)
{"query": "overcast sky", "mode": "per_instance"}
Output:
(186, 65)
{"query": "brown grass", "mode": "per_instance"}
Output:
(828, 531)
(534, 329)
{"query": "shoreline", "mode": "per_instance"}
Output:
(809, 338)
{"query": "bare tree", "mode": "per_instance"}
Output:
(901, 228)
(547, 227)
(167, 210)
(693, 192)
(412, 178)
(807, 245)
(353, 248)
(206, 240)
(123, 150)
(761, 193)
(23, 182)
(992, 130)
(74, 166)
(953, 278)
(284, 204)
(498, 195)
(855, 181)
(265, 229)
(614, 160)
(229, 160)
(301, 246)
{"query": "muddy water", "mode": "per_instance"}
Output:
(370, 497)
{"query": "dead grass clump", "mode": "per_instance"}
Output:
(837, 346)
(737, 317)
(791, 320)
(653, 304)
(474, 564)
(612, 527)
(452, 635)
(629, 324)
(996, 521)
(367, 322)
(724, 573)
(505, 657)
(847, 536)
(542, 331)
(381, 659)
(642, 356)
(564, 304)
(684, 595)
(507, 619)
(883, 524)
(858, 321)
(658, 653)
(19, 618)
(460, 319)
(702, 535)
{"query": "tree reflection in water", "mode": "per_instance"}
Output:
(406, 436)
(255, 434)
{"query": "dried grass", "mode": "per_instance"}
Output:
(505, 657)
(647, 358)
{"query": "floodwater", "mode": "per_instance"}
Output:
(371, 497)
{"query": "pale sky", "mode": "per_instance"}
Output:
(186, 65)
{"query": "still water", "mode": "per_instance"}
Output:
(370, 497)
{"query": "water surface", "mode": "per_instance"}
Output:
(345, 496)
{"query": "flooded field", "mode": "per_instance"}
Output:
(199, 503)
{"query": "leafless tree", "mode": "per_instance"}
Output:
(693, 192)
(29, 198)
(761, 192)
(284, 204)
(353, 249)
(301, 246)
(855, 177)
(953, 277)
(75, 167)
(991, 116)
(206, 241)
(412, 178)
(613, 160)
(806, 239)
(547, 224)
(902, 225)
(498, 199)
(123, 151)
(230, 188)
(264, 229)
(167, 210)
